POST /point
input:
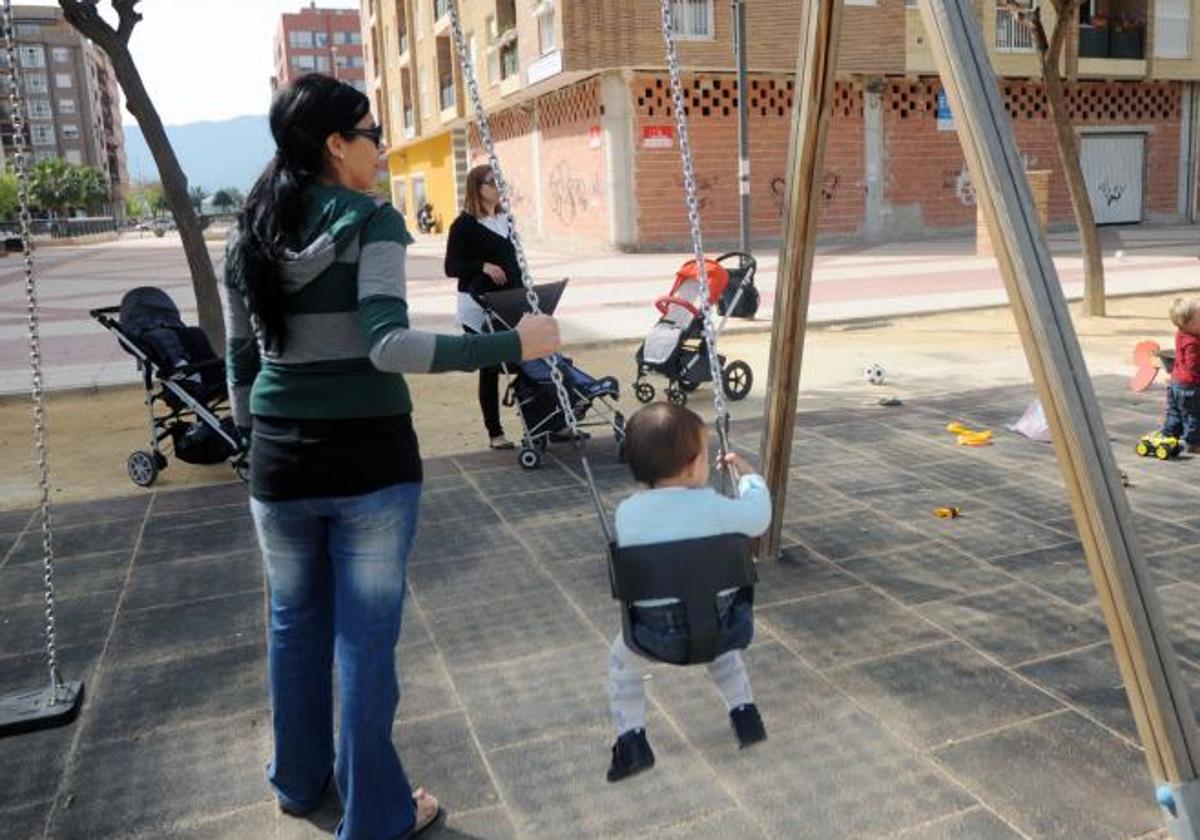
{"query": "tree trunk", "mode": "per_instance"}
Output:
(175, 188)
(1068, 155)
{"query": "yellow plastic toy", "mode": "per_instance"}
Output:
(970, 437)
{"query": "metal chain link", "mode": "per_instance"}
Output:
(693, 211)
(485, 136)
(17, 108)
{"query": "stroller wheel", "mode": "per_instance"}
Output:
(737, 378)
(677, 397)
(142, 468)
(530, 459)
(644, 392)
(687, 386)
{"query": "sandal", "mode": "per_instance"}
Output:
(430, 816)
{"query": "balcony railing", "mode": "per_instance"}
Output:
(1011, 34)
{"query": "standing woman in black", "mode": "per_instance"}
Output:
(480, 254)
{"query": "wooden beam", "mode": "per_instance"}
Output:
(1123, 583)
(816, 69)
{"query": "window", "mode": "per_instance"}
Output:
(342, 36)
(356, 61)
(1172, 29)
(29, 30)
(36, 83)
(355, 37)
(63, 80)
(43, 135)
(322, 64)
(359, 85)
(441, 8)
(300, 38)
(39, 109)
(70, 131)
(33, 55)
(45, 154)
(692, 18)
(867, 2)
(66, 106)
(445, 67)
(341, 61)
(74, 156)
(321, 39)
(419, 194)
(399, 196)
(61, 55)
(545, 24)
(304, 62)
(508, 60)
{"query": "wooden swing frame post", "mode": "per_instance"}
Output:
(1122, 578)
(816, 71)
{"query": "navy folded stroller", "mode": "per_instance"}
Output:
(183, 375)
(531, 389)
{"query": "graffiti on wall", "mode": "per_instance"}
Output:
(959, 181)
(705, 184)
(829, 190)
(1112, 192)
(570, 193)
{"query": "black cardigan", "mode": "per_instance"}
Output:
(469, 246)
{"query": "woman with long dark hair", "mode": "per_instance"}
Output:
(481, 256)
(319, 336)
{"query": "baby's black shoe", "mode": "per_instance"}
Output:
(747, 725)
(630, 754)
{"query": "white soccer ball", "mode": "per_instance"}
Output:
(875, 373)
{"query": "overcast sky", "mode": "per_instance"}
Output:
(207, 59)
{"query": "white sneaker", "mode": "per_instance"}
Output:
(501, 442)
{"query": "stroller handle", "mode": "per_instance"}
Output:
(664, 302)
(744, 258)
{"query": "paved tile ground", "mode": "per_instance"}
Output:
(920, 678)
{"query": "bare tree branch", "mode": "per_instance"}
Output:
(128, 17)
(83, 15)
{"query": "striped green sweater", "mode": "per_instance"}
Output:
(348, 337)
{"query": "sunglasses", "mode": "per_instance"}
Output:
(374, 134)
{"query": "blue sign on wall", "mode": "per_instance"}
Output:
(945, 119)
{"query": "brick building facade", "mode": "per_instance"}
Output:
(319, 40)
(590, 149)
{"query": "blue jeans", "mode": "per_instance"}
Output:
(1183, 414)
(335, 571)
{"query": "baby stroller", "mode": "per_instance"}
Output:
(531, 388)
(676, 347)
(180, 371)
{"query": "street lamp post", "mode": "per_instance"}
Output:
(743, 100)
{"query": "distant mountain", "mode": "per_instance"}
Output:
(229, 153)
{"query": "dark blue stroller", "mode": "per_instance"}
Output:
(531, 389)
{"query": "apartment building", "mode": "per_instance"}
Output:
(580, 109)
(71, 94)
(319, 40)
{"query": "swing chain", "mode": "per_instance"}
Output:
(467, 66)
(21, 165)
(693, 211)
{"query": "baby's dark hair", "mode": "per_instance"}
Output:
(661, 440)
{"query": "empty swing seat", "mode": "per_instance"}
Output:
(695, 572)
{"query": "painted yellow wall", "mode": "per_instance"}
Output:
(433, 159)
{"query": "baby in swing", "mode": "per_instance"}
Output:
(667, 451)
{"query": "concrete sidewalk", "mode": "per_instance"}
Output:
(610, 296)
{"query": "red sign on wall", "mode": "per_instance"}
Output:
(658, 136)
(594, 137)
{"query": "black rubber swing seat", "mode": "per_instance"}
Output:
(40, 708)
(694, 571)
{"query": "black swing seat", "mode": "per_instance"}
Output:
(694, 571)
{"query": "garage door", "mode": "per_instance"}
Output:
(1114, 168)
